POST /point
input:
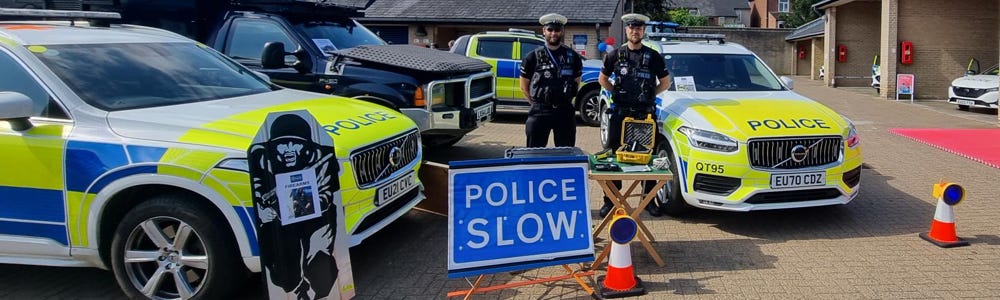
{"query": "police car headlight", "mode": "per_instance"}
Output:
(235, 164)
(709, 140)
(993, 89)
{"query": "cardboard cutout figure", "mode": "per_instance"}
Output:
(300, 222)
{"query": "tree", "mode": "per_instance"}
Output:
(654, 9)
(685, 18)
(799, 13)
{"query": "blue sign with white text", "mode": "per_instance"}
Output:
(517, 215)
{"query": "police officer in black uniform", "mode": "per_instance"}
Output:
(550, 77)
(640, 74)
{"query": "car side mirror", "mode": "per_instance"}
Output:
(16, 109)
(788, 82)
(273, 57)
(971, 72)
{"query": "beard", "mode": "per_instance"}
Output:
(553, 40)
(635, 39)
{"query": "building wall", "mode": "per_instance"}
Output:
(858, 23)
(817, 45)
(803, 65)
(945, 36)
(769, 44)
(762, 9)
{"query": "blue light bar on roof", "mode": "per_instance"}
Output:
(57, 14)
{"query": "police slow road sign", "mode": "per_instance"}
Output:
(511, 214)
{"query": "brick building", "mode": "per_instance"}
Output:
(436, 22)
(764, 13)
(728, 13)
(944, 35)
(808, 45)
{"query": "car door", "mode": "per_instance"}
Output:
(524, 46)
(245, 43)
(499, 52)
(33, 218)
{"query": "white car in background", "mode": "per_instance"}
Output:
(978, 90)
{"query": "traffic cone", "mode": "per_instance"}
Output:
(621, 280)
(942, 231)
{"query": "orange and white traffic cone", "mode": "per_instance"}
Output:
(942, 231)
(621, 280)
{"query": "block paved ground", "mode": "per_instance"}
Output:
(866, 249)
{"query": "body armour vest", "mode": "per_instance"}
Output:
(553, 82)
(636, 85)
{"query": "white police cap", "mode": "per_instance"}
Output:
(552, 20)
(635, 19)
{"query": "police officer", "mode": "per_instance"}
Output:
(550, 77)
(640, 74)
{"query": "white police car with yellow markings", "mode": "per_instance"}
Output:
(740, 139)
(124, 147)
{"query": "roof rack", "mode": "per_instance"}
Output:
(721, 38)
(93, 17)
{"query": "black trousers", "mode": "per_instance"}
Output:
(543, 118)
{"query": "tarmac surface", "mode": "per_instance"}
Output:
(868, 248)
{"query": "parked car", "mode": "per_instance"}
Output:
(504, 49)
(324, 49)
(124, 146)
(976, 89)
(740, 139)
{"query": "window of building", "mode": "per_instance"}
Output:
(783, 5)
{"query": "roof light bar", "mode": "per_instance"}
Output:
(18, 13)
(706, 36)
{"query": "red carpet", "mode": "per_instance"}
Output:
(982, 145)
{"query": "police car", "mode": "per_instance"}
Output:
(503, 50)
(976, 90)
(124, 147)
(740, 139)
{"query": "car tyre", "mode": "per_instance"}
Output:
(590, 107)
(669, 197)
(168, 248)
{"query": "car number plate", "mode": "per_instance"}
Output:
(781, 181)
(484, 112)
(394, 189)
(966, 102)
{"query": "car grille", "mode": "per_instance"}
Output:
(372, 164)
(481, 87)
(793, 196)
(968, 92)
(777, 153)
(719, 185)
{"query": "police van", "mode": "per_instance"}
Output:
(125, 147)
(740, 139)
(503, 50)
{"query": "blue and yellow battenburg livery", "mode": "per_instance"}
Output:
(80, 170)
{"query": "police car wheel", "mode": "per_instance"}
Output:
(590, 108)
(669, 197)
(168, 248)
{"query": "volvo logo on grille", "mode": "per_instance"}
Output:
(395, 156)
(799, 153)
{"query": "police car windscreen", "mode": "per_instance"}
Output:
(332, 36)
(126, 76)
(722, 72)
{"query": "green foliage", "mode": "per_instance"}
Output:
(685, 18)
(654, 9)
(800, 12)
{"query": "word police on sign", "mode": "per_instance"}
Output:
(515, 214)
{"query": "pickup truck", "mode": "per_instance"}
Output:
(318, 46)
